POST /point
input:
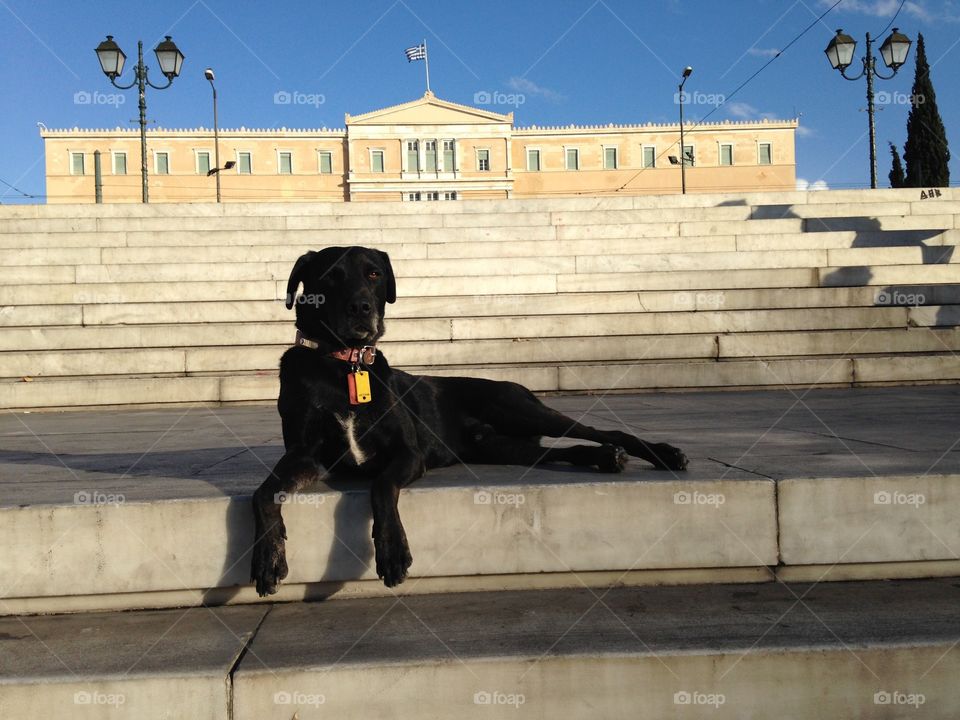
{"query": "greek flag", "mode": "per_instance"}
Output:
(417, 52)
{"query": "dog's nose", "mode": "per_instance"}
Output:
(360, 307)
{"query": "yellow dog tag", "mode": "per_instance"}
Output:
(358, 387)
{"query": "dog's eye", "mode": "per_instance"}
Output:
(374, 274)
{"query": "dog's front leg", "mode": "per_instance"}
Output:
(389, 538)
(268, 564)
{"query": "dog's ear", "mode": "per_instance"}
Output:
(391, 280)
(296, 276)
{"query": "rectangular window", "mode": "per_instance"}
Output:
(450, 195)
(533, 160)
(610, 158)
(120, 163)
(326, 162)
(448, 156)
(433, 196)
(649, 156)
(413, 155)
(688, 156)
(483, 160)
(766, 157)
(244, 163)
(203, 163)
(430, 155)
(285, 163)
(376, 161)
(573, 159)
(76, 163)
(413, 197)
(162, 160)
(726, 154)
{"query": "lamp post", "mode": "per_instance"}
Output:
(111, 62)
(894, 52)
(208, 74)
(683, 154)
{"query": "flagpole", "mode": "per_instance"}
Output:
(426, 59)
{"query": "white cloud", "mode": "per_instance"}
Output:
(763, 52)
(888, 8)
(803, 184)
(528, 87)
(804, 131)
(746, 111)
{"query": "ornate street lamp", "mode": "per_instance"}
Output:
(894, 51)
(112, 58)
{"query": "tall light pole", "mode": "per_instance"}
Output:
(894, 53)
(111, 62)
(683, 153)
(208, 74)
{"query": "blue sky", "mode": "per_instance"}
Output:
(568, 61)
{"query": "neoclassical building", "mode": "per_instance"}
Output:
(427, 149)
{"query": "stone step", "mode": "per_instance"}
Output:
(149, 665)
(38, 353)
(261, 311)
(860, 650)
(643, 374)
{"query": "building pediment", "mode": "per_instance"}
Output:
(429, 110)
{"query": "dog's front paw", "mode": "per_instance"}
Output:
(667, 457)
(392, 554)
(269, 562)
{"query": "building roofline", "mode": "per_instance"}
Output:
(429, 99)
(614, 127)
(192, 132)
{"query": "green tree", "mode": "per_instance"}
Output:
(926, 153)
(897, 177)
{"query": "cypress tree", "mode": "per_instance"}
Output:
(926, 153)
(897, 177)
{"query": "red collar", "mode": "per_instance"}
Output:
(366, 354)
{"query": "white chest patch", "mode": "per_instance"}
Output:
(349, 431)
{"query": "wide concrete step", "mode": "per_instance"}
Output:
(860, 649)
(855, 650)
(740, 369)
(442, 341)
(266, 311)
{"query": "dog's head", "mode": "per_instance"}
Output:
(345, 291)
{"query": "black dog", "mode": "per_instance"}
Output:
(403, 424)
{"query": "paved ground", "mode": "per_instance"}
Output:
(206, 452)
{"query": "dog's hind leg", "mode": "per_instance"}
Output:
(268, 564)
(514, 410)
(485, 447)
